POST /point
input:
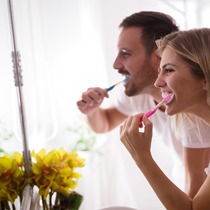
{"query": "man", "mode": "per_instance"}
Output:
(137, 59)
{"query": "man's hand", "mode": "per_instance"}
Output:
(91, 99)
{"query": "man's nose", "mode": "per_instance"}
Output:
(117, 64)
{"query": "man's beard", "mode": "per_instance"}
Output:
(147, 76)
(143, 86)
(131, 91)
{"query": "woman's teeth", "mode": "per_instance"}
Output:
(164, 94)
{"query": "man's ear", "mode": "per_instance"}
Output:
(156, 59)
(204, 85)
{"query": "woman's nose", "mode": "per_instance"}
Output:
(159, 82)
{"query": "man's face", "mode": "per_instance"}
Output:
(133, 61)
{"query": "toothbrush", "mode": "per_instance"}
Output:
(111, 87)
(165, 100)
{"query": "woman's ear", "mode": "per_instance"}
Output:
(204, 85)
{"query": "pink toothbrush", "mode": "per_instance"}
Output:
(166, 100)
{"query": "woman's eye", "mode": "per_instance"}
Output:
(168, 70)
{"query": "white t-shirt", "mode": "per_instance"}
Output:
(195, 133)
(162, 130)
(207, 170)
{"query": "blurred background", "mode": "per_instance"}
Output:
(67, 46)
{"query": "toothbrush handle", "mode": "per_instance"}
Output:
(151, 112)
(110, 88)
(148, 114)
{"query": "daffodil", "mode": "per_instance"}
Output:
(54, 171)
(11, 177)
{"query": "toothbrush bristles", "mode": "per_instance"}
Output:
(123, 81)
(168, 98)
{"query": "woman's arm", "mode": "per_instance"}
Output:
(201, 200)
(195, 161)
(138, 144)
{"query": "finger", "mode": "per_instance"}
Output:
(103, 93)
(123, 129)
(129, 120)
(96, 96)
(137, 120)
(140, 121)
(92, 97)
(123, 137)
(148, 126)
(86, 99)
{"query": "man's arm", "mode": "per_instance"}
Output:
(195, 160)
(104, 120)
(100, 120)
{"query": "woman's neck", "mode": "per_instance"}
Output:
(204, 113)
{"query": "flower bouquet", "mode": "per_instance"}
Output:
(53, 174)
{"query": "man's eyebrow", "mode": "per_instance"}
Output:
(124, 50)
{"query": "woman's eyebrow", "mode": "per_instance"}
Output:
(168, 64)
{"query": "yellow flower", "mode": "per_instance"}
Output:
(54, 171)
(11, 177)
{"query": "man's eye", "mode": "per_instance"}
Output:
(125, 54)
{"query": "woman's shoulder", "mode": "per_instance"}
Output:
(207, 170)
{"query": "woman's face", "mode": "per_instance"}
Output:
(175, 76)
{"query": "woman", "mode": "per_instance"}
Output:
(185, 72)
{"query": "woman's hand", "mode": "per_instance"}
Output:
(137, 143)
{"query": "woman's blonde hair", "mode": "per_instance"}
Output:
(193, 46)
